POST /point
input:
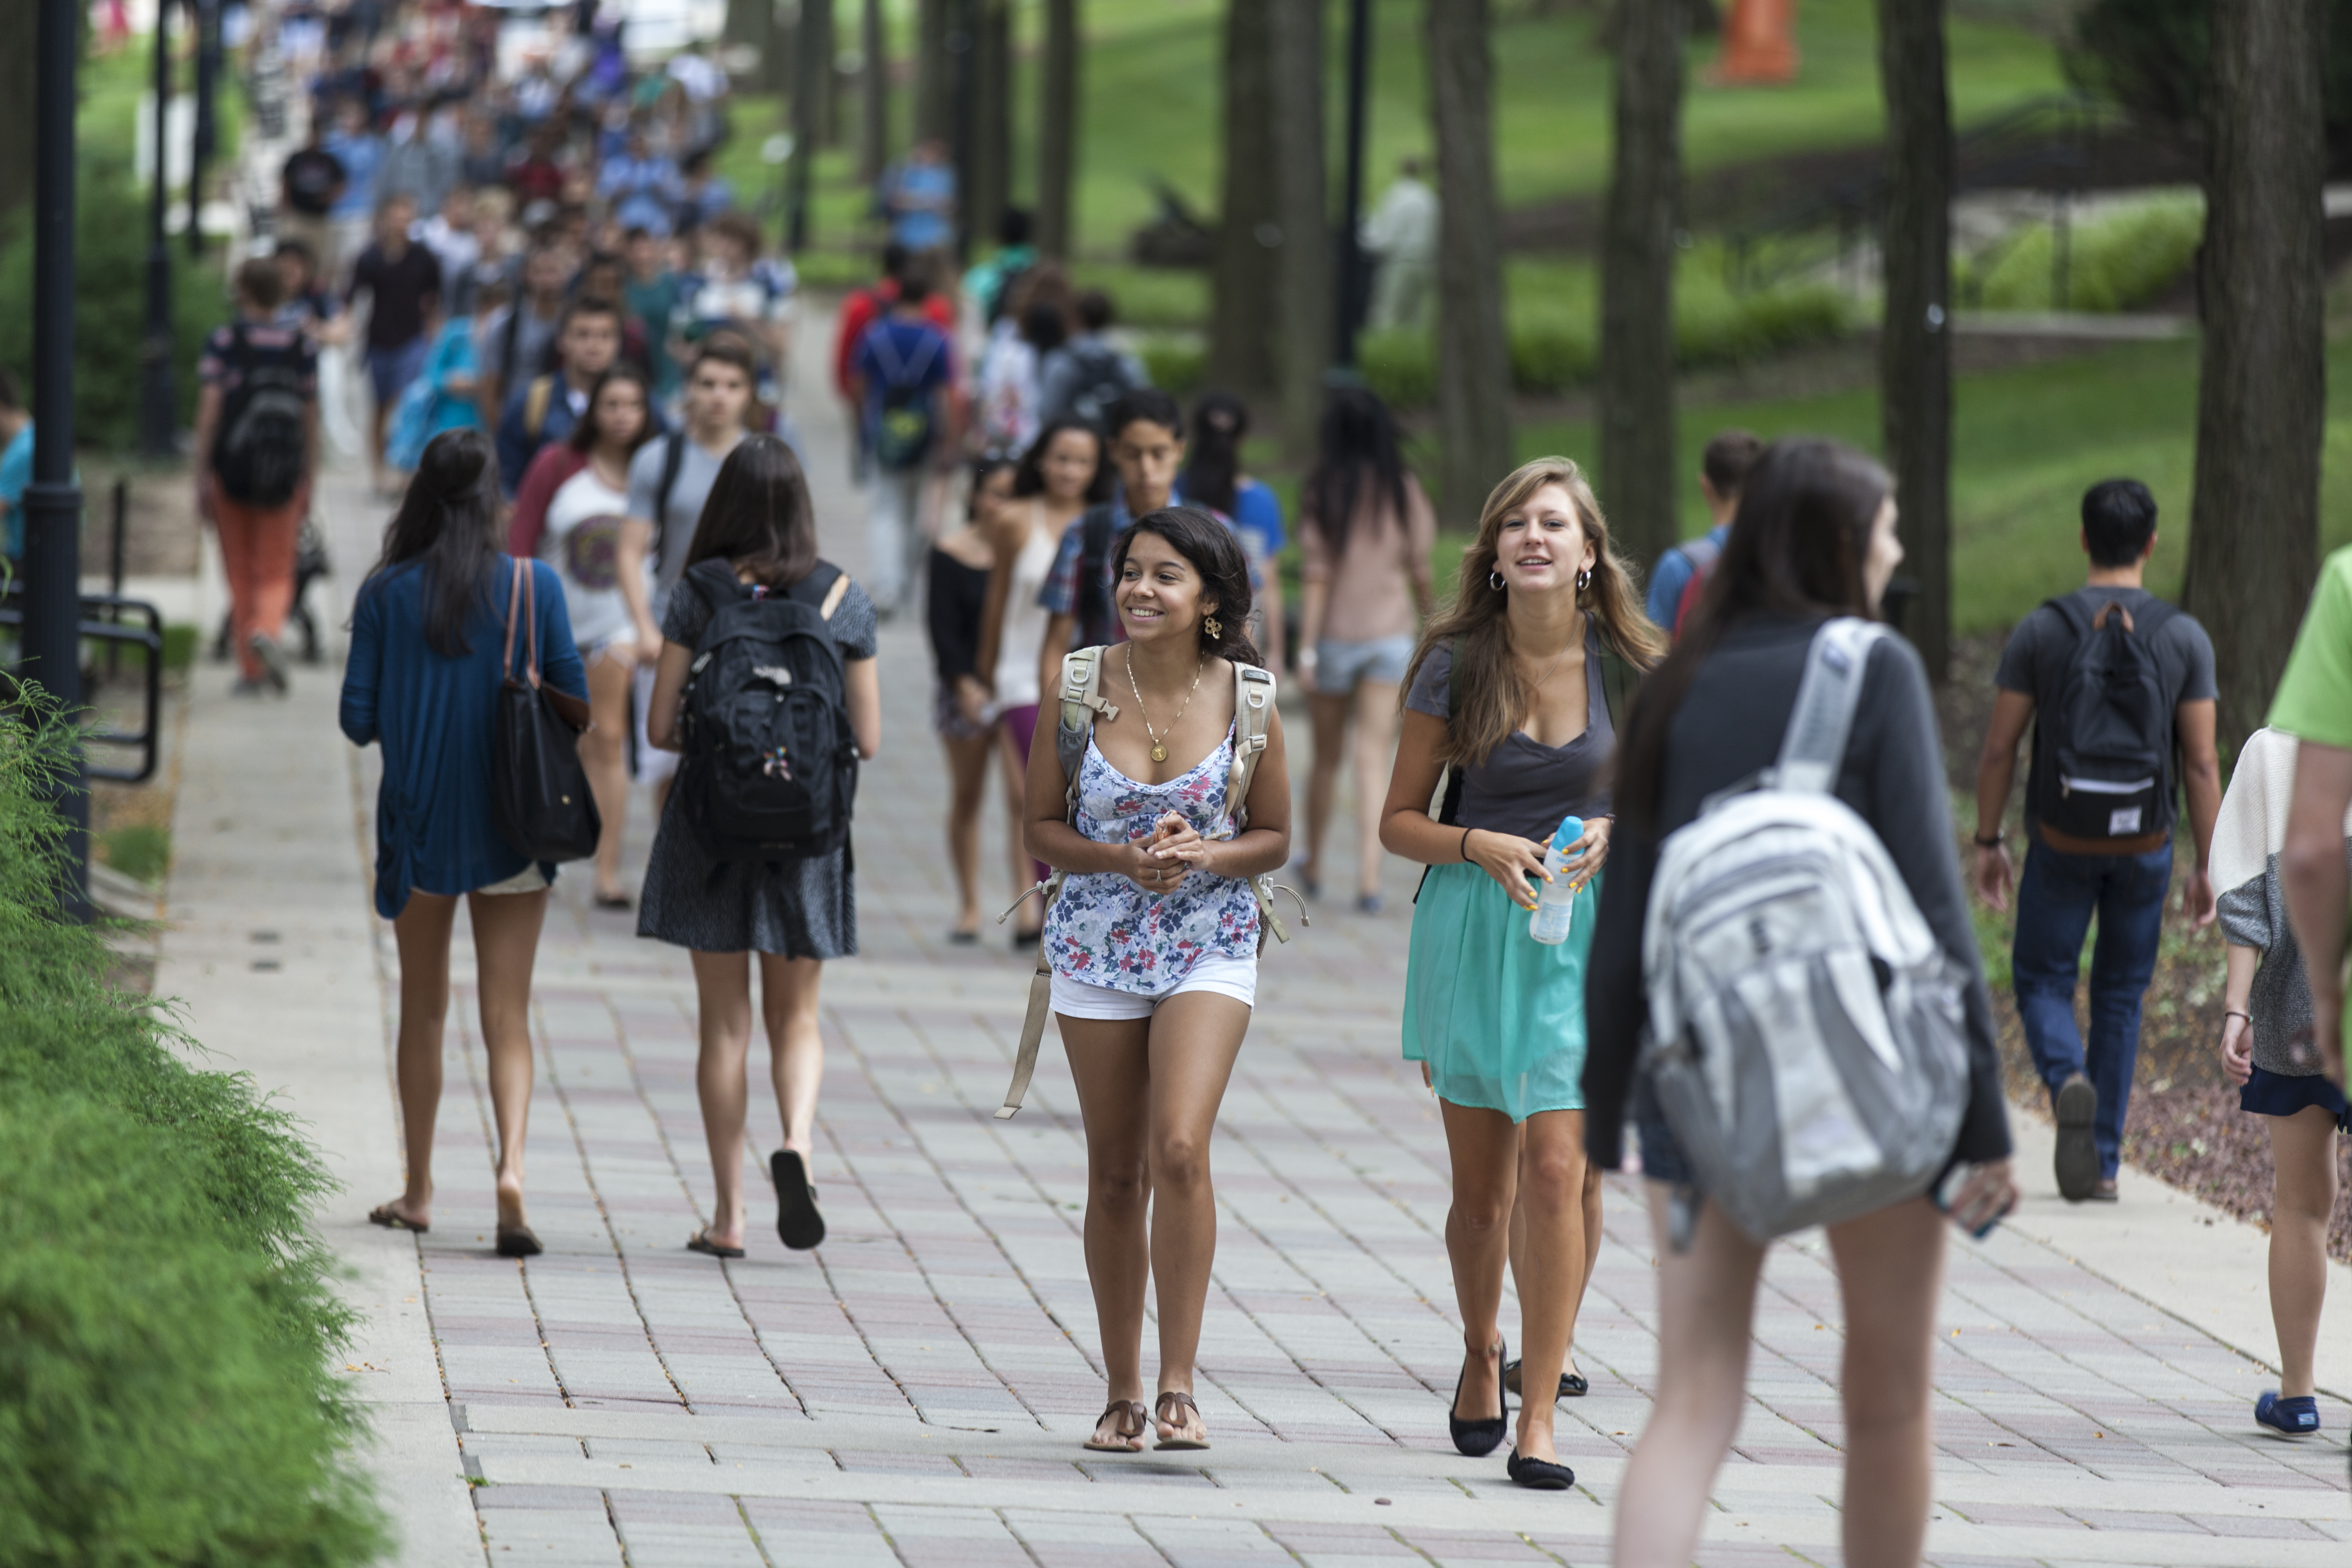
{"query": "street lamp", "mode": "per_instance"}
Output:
(53, 500)
(205, 15)
(1349, 253)
(159, 403)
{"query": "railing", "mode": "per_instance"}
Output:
(102, 621)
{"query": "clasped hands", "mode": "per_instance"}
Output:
(1517, 863)
(1160, 862)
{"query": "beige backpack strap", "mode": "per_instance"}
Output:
(1033, 1026)
(1252, 711)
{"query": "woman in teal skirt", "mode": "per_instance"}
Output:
(1512, 696)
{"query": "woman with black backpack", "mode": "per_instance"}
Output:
(767, 683)
(1814, 540)
(429, 641)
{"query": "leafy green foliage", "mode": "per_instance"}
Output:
(2119, 261)
(164, 1313)
(142, 850)
(110, 307)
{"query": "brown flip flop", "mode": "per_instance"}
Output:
(389, 1218)
(700, 1242)
(1167, 1398)
(1133, 1419)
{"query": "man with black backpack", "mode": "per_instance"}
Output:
(1086, 377)
(2119, 688)
(258, 446)
(902, 372)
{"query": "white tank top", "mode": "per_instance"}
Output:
(1024, 637)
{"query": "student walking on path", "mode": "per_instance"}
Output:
(2118, 686)
(1682, 571)
(753, 561)
(402, 282)
(1365, 530)
(572, 507)
(957, 607)
(1815, 540)
(903, 371)
(1153, 937)
(429, 635)
(1516, 692)
(1146, 432)
(2268, 1051)
(257, 441)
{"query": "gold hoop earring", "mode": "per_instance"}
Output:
(1208, 625)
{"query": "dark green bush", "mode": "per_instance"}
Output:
(110, 307)
(164, 1312)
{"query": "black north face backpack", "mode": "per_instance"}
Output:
(2111, 729)
(263, 439)
(770, 767)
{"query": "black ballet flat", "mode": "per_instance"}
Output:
(1538, 1475)
(1478, 1438)
(1571, 1384)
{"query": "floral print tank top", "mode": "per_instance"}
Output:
(1106, 931)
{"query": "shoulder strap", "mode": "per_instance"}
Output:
(673, 459)
(1082, 699)
(2077, 619)
(1814, 746)
(1618, 678)
(534, 405)
(1701, 552)
(1252, 698)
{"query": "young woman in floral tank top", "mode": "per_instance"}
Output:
(1154, 942)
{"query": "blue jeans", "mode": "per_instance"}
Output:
(2055, 897)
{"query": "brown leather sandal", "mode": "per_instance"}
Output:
(1173, 1396)
(1131, 1420)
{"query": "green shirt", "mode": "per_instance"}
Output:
(2314, 696)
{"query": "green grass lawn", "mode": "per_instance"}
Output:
(2027, 442)
(1151, 82)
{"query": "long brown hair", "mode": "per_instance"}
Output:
(1495, 697)
(759, 518)
(1798, 547)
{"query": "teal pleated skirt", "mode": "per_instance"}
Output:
(1498, 1015)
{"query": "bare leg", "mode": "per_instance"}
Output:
(1025, 871)
(1890, 1271)
(505, 944)
(1553, 1166)
(722, 985)
(1483, 1146)
(604, 752)
(788, 999)
(967, 792)
(422, 933)
(1376, 727)
(1110, 1062)
(1194, 1039)
(1330, 715)
(1706, 1299)
(2303, 1155)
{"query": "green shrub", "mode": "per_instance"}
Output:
(180, 640)
(142, 850)
(164, 1314)
(110, 307)
(1175, 364)
(2119, 261)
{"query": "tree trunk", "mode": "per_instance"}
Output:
(934, 73)
(1474, 356)
(1639, 464)
(2253, 537)
(991, 153)
(1302, 210)
(818, 39)
(752, 23)
(1242, 278)
(18, 94)
(872, 95)
(1057, 128)
(1915, 343)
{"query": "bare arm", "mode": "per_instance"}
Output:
(2311, 871)
(1058, 633)
(669, 688)
(2201, 778)
(637, 543)
(863, 689)
(208, 412)
(1407, 828)
(2237, 1029)
(1314, 602)
(1996, 770)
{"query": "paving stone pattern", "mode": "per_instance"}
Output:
(915, 1392)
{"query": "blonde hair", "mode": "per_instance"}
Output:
(1495, 697)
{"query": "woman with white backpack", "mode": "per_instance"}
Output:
(1710, 745)
(1178, 804)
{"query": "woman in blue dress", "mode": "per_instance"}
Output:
(428, 639)
(1512, 689)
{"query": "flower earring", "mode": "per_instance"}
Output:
(1584, 580)
(1208, 625)
(1494, 581)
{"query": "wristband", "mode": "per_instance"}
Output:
(2231, 1013)
(1995, 842)
(1466, 846)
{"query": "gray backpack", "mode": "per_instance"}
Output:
(1806, 1040)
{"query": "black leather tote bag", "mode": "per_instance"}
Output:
(540, 799)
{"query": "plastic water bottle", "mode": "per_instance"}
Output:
(1555, 913)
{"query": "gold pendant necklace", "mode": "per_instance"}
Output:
(1159, 747)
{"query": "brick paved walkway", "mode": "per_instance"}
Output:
(915, 1392)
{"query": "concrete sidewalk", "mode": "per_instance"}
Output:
(915, 1392)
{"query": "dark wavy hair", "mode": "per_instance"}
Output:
(1355, 446)
(1212, 463)
(1029, 478)
(1217, 557)
(450, 520)
(586, 433)
(759, 518)
(1798, 547)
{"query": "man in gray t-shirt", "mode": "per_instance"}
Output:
(2067, 879)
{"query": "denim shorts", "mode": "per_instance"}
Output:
(1339, 666)
(391, 370)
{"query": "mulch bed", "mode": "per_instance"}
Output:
(2184, 1127)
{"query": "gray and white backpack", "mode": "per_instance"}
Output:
(1806, 1037)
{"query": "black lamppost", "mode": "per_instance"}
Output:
(807, 79)
(159, 402)
(205, 15)
(1348, 254)
(962, 56)
(53, 500)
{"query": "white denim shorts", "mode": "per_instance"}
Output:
(1234, 977)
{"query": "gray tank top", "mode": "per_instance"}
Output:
(1525, 787)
